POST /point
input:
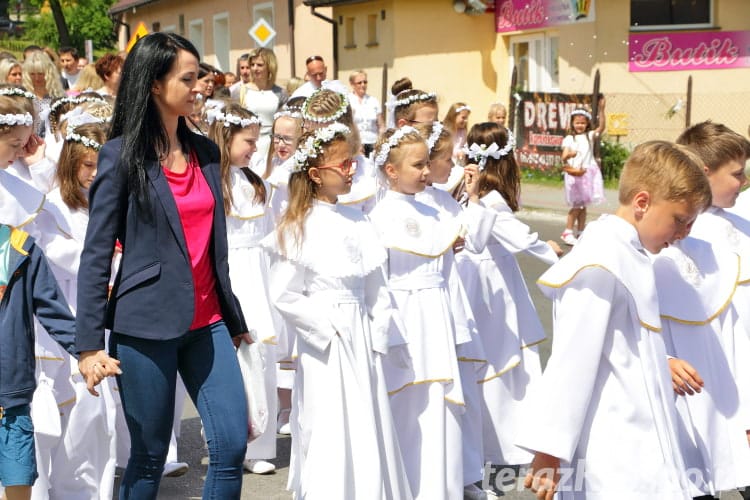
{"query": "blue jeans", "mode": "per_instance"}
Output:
(207, 362)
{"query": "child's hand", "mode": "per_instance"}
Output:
(95, 366)
(543, 476)
(471, 182)
(575, 172)
(239, 338)
(459, 244)
(555, 247)
(685, 378)
(33, 150)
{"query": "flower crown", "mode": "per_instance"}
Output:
(313, 146)
(463, 108)
(89, 143)
(16, 119)
(437, 129)
(480, 153)
(324, 119)
(381, 157)
(17, 91)
(406, 101)
(75, 100)
(214, 114)
(581, 112)
(291, 113)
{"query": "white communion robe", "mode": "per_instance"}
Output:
(478, 222)
(81, 464)
(508, 325)
(428, 402)
(248, 223)
(331, 291)
(696, 283)
(604, 404)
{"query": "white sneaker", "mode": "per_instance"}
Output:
(568, 237)
(175, 469)
(282, 425)
(258, 466)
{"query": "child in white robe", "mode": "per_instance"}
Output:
(328, 283)
(249, 219)
(81, 464)
(428, 402)
(506, 317)
(601, 420)
(724, 154)
(478, 222)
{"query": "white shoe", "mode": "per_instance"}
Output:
(258, 466)
(568, 237)
(284, 428)
(175, 469)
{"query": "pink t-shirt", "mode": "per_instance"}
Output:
(195, 204)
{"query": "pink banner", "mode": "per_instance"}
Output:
(684, 51)
(519, 15)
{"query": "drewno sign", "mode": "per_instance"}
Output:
(689, 51)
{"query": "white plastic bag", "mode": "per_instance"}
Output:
(44, 411)
(252, 365)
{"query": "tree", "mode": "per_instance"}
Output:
(76, 21)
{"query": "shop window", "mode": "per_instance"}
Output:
(670, 14)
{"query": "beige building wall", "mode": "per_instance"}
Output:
(311, 35)
(462, 59)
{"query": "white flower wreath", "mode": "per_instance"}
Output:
(324, 119)
(16, 119)
(228, 119)
(405, 101)
(17, 91)
(291, 113)
(581, 112)
(463, 108)
(437, 129)
(75, 100)
(89, 143)
(480, 153)
(381, 157)
(313, 146)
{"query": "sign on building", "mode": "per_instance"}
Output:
(689, 51)
(262, 32)
(519, 15)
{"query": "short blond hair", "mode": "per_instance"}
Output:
(668, 172)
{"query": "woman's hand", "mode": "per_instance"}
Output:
(95, 366)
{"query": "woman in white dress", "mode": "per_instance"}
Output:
(427, 401)
(249, 219)
(264, 98)
(329, 285)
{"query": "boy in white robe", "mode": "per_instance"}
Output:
(601, 420)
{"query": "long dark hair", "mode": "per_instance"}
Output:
(136, 117)
(502, 175)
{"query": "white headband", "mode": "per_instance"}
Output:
(291, 113)
(215, 114)
(17, 91)
(89, 143)
(405, 101)
(16, 119)
(437, 129)
(480, 153)
(580, 112)
(463, 108)
(393, 141)
(75, 100)
(313, 146)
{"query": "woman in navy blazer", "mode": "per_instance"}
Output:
(171, 309)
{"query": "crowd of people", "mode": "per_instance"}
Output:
(157, 219)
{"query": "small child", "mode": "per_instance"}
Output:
(249, 219)
(497, 113)
(603, 411)
(583, 179)
(457, 122)
(328, 283)
(27, 290)
(414, 106)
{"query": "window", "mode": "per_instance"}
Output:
(536, 59)
(372, 30)
(264, 11)
(670, 14)
(349, 33)
(221, 41)
(195, 34)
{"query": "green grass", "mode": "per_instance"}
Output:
(554, 179)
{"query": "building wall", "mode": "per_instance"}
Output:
(312, 35)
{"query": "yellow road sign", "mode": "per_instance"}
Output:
(262, 32)
(140, 32)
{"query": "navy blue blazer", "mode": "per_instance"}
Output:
(153, 293)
